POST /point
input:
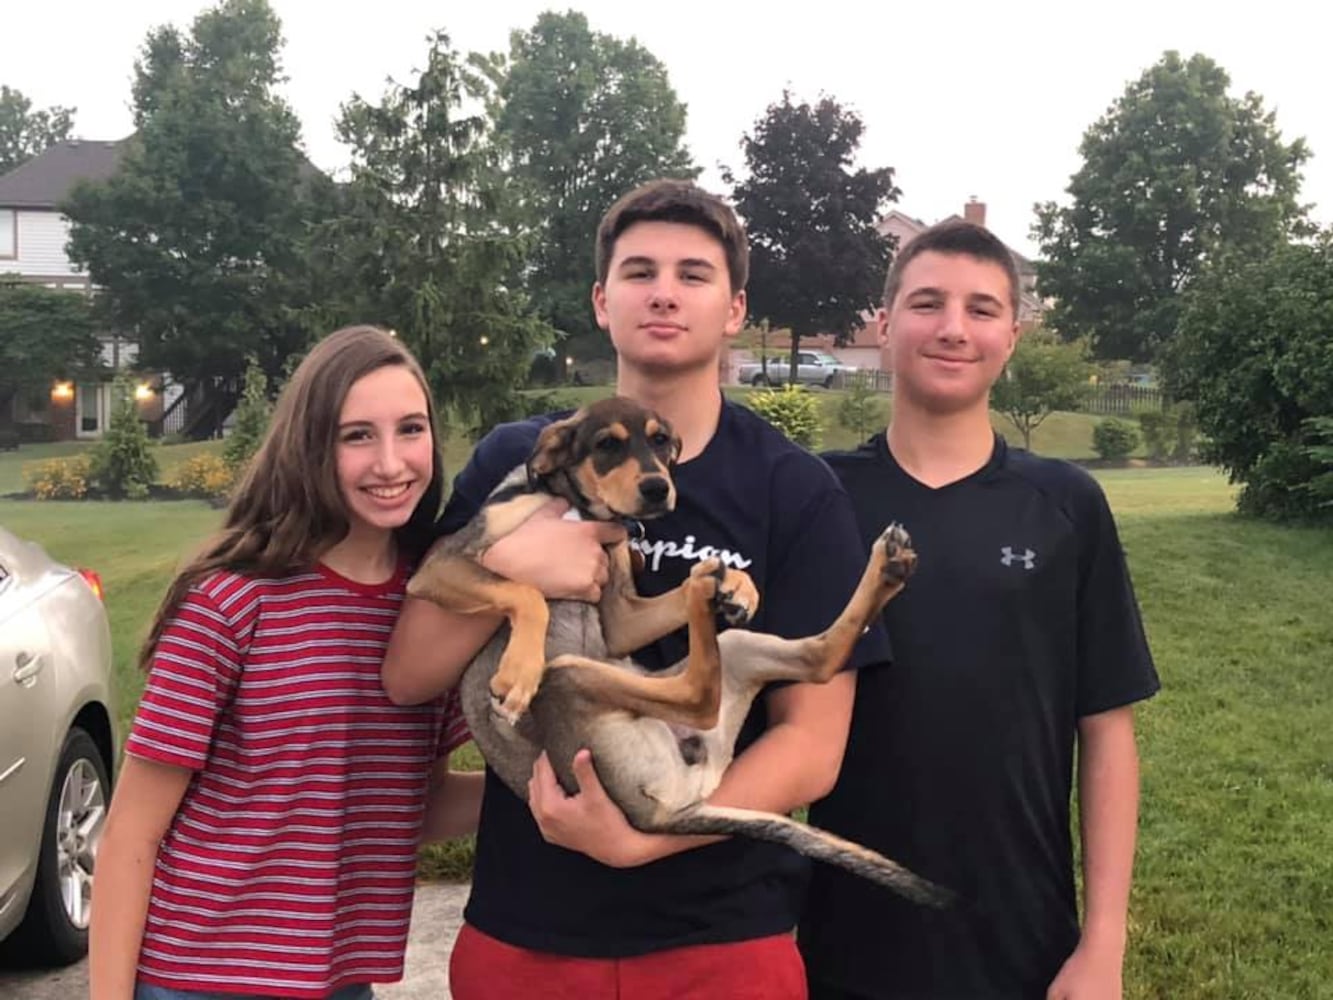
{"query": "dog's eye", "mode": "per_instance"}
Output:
(608, 444)
(661, 440)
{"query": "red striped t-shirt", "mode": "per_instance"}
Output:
(289, 867)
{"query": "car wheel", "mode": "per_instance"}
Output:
(55, 928)
(760, 380)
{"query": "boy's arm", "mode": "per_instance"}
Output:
(1108, 795)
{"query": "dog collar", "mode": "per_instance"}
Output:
(633, 528)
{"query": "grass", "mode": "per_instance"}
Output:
(1233, 894)
(1062, 435)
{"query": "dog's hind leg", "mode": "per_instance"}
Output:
(762, 658)
(692, 696)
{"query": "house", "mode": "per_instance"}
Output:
(33, 238)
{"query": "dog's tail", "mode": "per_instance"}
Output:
(810, 841)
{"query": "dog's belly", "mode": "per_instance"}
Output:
(651, 768)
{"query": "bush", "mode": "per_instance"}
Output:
(861, 410)
(1114, 439)
(59, 478)
(1185, 447)
(510, 406)
(1252, 353)
(251, 423)
(206, 476)
(1156, 429)
(792, 410)
(1319, 451)
(123, 464)
(1170, 433)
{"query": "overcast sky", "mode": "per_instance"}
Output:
(962, 99)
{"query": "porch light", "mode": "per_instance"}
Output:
(143, 391)
(62, 391)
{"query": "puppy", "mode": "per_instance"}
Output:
(558, 678)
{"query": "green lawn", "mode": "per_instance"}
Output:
(1234, 890)
(1062, 435)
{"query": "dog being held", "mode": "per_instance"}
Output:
(558, 679)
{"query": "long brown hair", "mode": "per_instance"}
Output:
(287, 509)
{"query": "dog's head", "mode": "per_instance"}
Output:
(612, 459)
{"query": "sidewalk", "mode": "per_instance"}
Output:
(437, 915)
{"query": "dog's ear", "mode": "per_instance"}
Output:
(554, 448)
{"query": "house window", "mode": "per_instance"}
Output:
(8, 233)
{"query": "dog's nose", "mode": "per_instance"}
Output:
(654, 489)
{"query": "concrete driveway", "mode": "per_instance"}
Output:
(436, 917)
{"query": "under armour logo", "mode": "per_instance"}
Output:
(1008, 557)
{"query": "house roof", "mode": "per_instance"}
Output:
(914, 226)
(47, 179)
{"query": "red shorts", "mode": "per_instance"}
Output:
(482, 968)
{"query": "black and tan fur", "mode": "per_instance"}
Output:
(558, 679)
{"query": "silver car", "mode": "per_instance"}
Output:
(57, 747)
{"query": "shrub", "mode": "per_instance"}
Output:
(207, 476)
(1170, 433)
(1158, 434)
(792, 410)
(861, 410)
(252, 413)
(1114, 439)
(59, 478)
(123, 464)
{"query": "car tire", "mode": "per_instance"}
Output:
(828, 382)
(760, 381)
(54, 930)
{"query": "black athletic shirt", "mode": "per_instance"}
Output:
(1019, 620)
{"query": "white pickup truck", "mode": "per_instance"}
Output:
(813, 368)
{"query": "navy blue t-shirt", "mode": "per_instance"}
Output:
(1019, 621)
(765, 506)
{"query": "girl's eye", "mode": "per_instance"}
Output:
(414, 428)
(353, 436)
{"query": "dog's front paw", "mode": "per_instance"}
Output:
(733, 594)
(510, 699)
(894, 547)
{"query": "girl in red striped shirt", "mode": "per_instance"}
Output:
(263, 834)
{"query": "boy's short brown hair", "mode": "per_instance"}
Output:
(669, 200)
(956, 237)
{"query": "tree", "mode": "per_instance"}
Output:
(585, 117)
(24, 132)
(250, 421)
(1255, 354)
(199, 241)
(123, 463)
(424, 243)
(1174, 173)
(1044, 375)
(44, 334)
(817, 260)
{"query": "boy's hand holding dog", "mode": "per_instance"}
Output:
(564, 559)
